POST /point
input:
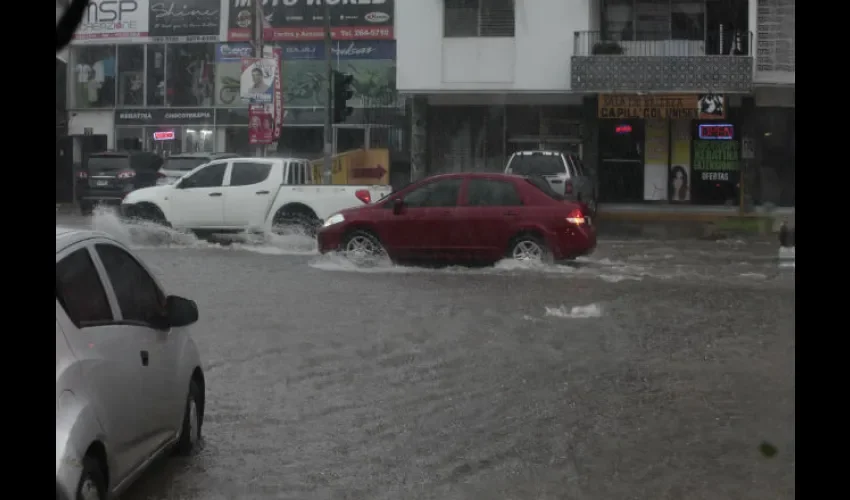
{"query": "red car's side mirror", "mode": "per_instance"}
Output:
(398, 206)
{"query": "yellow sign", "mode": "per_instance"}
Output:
(674, 106)
(359, 166)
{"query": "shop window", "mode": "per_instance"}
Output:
(715, 167)
(93, 83)
(190, 74)
(131, 69)
(130, 138)
(156, 75)
(236, 140)
(167, 147)
(199, 140)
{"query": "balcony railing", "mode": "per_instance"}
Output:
(652, 62)
(719, 43)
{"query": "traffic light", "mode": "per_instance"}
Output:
(342, 93)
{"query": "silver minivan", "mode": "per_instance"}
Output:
(564, 172)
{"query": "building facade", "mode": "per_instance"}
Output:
(138, 67)
(667, 101)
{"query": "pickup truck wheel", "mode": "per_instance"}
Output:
(147, 212)
(296, 222)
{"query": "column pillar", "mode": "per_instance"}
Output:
(418, 137)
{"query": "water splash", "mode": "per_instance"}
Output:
(575, 312)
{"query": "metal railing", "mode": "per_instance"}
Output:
(652, 44)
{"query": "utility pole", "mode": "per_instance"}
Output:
(258, 50)
(328, 150)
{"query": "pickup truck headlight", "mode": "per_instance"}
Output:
(333, 219)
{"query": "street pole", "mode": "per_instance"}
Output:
(258, 50)
(328, 150)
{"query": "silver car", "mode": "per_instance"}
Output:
(129, 382)
(565, 173)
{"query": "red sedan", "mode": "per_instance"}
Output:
(464, 218)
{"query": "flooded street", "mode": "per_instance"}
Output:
(649, 370)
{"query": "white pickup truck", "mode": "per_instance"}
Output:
(247, 194)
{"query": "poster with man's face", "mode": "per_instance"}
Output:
(257, 80)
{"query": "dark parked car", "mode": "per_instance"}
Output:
(108, 177)
(464, 218)
(176, 166)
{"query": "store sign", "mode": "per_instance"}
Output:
(233, 52)
(341, 50)
(164, 116)
(184, 18)
(720, 132)
(164, 135)
(716, 160)
(673, 106)
(290, 20)
(114, 20)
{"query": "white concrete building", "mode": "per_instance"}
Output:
(489, 77)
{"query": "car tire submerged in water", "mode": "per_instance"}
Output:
(363, 248)
(299, 221)
(86, 208)
(193, 419)
(92, 484)
(528, 247)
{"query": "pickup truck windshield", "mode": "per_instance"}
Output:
(537, 164)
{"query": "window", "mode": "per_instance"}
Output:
(297, 173)
(435, 194)
(653, 20)
(209, 176)
(687, 19)
(156, 75)
(478, 18)
(537, 164)
(131, 69)
(80, 291)
(492, 193)
(139, 297)
(190, 74)
(245, 174)
(93, 84)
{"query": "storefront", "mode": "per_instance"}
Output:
(668, 148)
(166, 130)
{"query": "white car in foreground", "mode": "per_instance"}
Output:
(247, 194)
(129, 381)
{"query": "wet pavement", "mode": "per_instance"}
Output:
(650, 370)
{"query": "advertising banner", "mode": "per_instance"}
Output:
(184, 21)
(107, 21)
(680, 164)
(716, 161)
(656, 147)
(260, 124)
(256, 82)
(673, 106)
(278, 94)
(288, 20)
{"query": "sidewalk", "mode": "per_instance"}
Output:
(689, 221)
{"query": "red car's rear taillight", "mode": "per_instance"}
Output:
(576, 217)
(363, 195)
